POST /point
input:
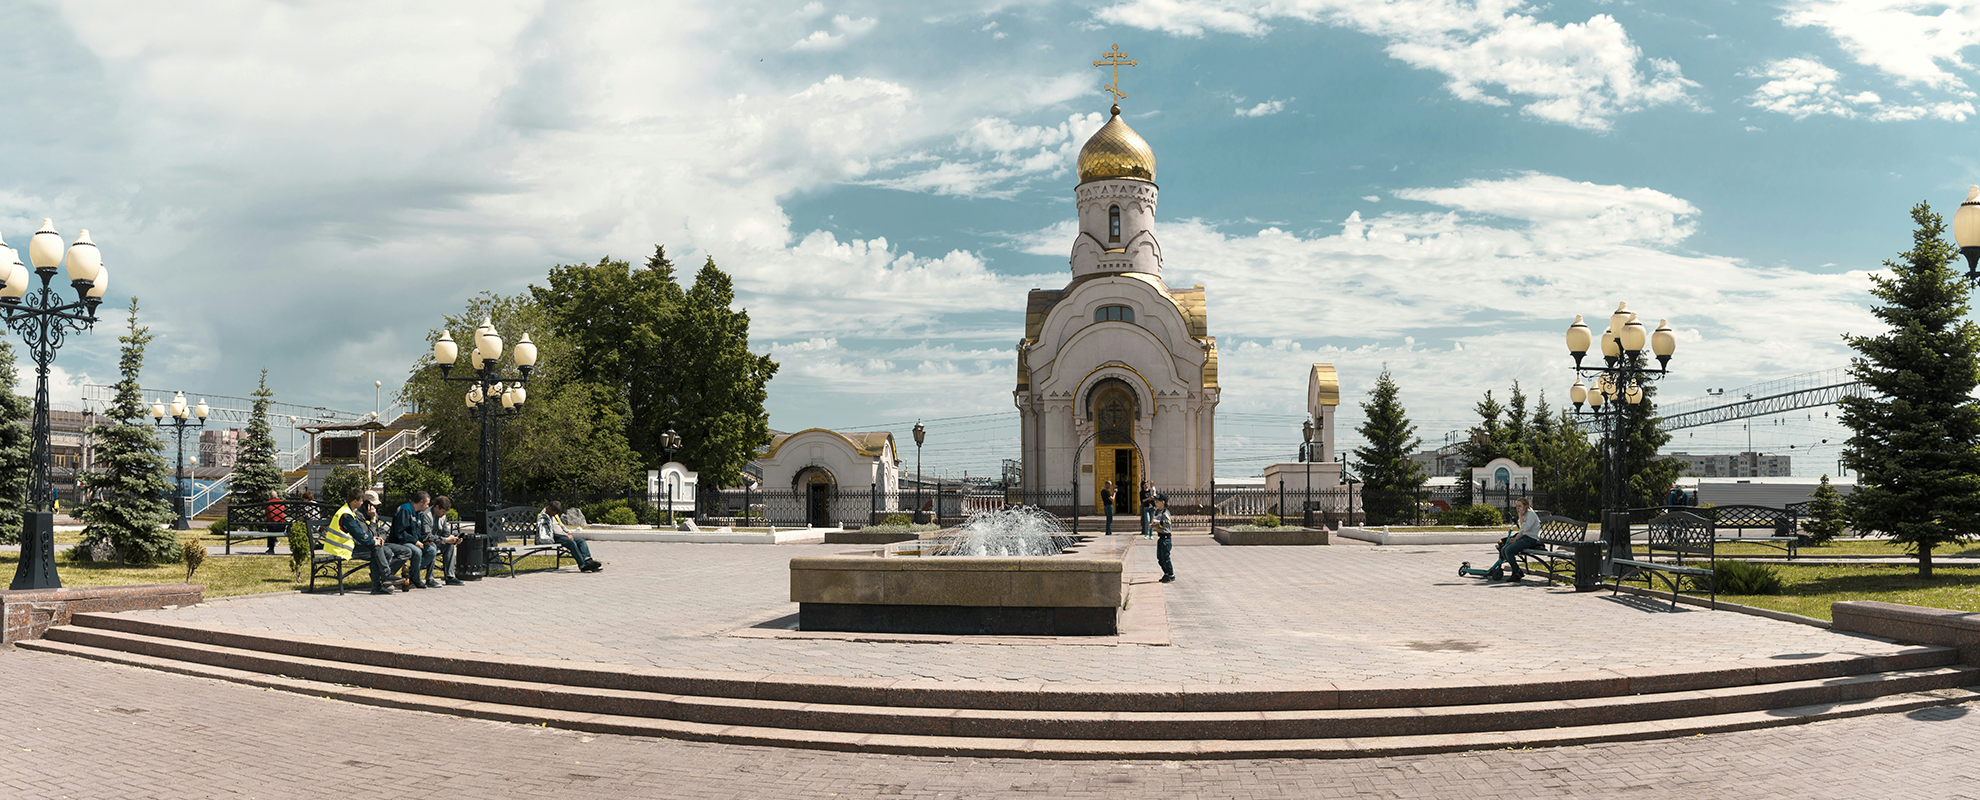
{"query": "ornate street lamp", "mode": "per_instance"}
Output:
(43, 320)
(1306, 455)
(1613, 389)
(920, 434)
(1966, 231)
(491, 396)
(182, 418)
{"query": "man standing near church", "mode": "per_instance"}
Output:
(1147, 508)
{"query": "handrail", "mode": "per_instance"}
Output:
(206, 496)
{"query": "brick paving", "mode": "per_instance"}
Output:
(1237, 615)
(93, 730)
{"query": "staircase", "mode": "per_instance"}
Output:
(1319, 720)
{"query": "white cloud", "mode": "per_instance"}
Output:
(1805, 87)
(1913, 41)
(1265, 109)
(995, 157)
(849, 28)
(1580, 74)
(1372, 198)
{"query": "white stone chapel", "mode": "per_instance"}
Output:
(1117, 372)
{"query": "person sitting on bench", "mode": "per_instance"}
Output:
(550, 528)
(1525, 537)
(385, 558)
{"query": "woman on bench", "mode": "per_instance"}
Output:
(1525, 537)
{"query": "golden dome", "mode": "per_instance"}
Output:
(1116, 151)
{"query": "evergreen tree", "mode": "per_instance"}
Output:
(1390, 480)
(256, 476)
(16, 468)
(1650, 477)
(716, 386)
(130, 493)
(1828, 516)
(1915, 436)
(1565, 464)
(1502, 432)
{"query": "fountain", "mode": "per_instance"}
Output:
(1011, 571)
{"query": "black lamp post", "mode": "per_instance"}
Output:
(920, 435)
(1348, 479)
(1966, 231)
(670, 441)
(1618, 385)
(43, 320)
(491, 396)
(1306, 455)
(182, 418)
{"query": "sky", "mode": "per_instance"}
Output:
(1432, 187)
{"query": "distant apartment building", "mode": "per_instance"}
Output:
(1439, 463)
(220, 448)
(1734, 465)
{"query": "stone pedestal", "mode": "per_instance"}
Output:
(29, 612)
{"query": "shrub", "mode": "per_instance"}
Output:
(897, 519)
(338, 484)
(1482, 515)
(904, 527)
(218, 528)
(194, 553)
(1267, 521)
(299, 548)
(1740, 577)
(453, 515)
(620, 515)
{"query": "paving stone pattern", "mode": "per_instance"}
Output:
(1236, 615)
(93, 730)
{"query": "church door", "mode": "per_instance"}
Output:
(819, 506)
(1114, 454)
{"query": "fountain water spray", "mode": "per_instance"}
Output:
(1008, 531)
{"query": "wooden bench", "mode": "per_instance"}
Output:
(1561, 540)
(517, 523)
(323, 564)
(1677, 534)
(1777, 522)
(269, 520)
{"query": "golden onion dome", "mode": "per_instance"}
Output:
(1116, 151)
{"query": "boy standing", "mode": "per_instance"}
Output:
(1160, 523)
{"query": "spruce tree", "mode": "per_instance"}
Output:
(1650, 477)
(1828, 516)
(717, 387)
(256, 476)
(127, 481)
(1915, 436)
(15, 465)
(1390, 480)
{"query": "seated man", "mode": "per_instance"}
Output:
(385, 558)
(1526, 537)
(442, 537)
(413, 527)
(550, 528)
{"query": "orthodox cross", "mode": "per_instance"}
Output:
(1116, 59)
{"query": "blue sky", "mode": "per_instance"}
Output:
(1431, 185)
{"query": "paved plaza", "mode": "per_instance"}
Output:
(1237, 615)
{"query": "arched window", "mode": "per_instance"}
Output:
(1113, 314)
(1114, 224)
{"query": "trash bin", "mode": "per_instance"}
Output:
(473, 550)
(1587, 566)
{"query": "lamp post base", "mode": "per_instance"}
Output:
(37, 568)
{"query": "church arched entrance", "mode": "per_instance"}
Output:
(1114, 408)
(814, 485)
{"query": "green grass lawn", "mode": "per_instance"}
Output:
(1810, 589)
(223, 576)
(1870, 547)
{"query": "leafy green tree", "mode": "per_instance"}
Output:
(256, 476)
(338, 484)
(410, 474)
(1828, 515)
(1390, 480)
(16, 468)
(621, 323)
(1565, 467)
(1915, 436)
(130, 493)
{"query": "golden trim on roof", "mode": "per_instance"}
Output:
(1326, 383)
(1210, 364)
(866, 443)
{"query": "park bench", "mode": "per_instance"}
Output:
(269, 519)
(1777, 522)
(516, 523)
(323, 564)
(1563, 540)
(1677, 534)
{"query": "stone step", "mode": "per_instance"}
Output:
(1140, 697)
(1037, 724)
(1022, 747)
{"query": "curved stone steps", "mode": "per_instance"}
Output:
(1078, 722)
